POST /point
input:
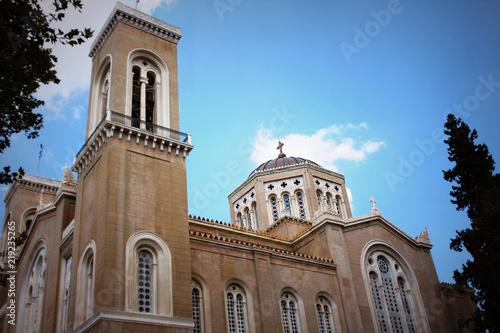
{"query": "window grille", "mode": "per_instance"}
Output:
(274, 208)
(300, 203)
(236, 310)
(196, 310)
(324, 314)
(144, 285)
(286, 201)
(289, 313)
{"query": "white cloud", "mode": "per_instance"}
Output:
(74, 65)
(77, 112)
(326, 146)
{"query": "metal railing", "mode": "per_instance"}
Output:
(145, 126)
(148, 126)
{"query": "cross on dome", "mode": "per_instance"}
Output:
(280, 147)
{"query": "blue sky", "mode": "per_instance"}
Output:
(361, 87)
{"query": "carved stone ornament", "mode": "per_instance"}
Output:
(68, 178)
(374, 210)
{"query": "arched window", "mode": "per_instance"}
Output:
(337, 207)
(329, 199)
(85, 284)
(274, 208)
(146, 279)
(136, 96)
(105, 94)
(148, 101)
(396, 301)
(201, 305)
(196, 292)
(239, 220)
(249, 218)
(144, 93)
(149, 266)
(300, 204)
(63, 324)
(286, 202)
(325, 315)
(319, 195)
(100, 94)
(34, 293)
(289, 313)
(89, 286)
(236, 309)
(256, 215)
(27, 218)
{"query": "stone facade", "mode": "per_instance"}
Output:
(116, 251)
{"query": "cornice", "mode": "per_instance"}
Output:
(138, 318)
(107, 130)
(370, 217)
(139, 20)
(221, 240)
(33, 182)
(306, 164)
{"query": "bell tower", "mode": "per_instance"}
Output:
(131, 239)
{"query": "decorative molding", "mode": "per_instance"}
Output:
(137, 19)
(289, 185)
(245, 201)
(108, 129)
(132, 317)
(208, 237)
(327, 186)
(255, 174)
(32, 182)
(68, 230)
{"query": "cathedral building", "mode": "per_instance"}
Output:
(115, 250)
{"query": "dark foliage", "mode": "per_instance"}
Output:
(476, 190)
(25, 31)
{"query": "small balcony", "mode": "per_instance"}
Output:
(131, 129)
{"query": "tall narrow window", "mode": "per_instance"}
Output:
(85, 284)
(150, 100)
(136, 96)
(289, 315)
(66, 286)
(274, 208)
(379, 302)
(324, 314)
(300, 204)
(197, 308)
(286, 201)
(329, 199)
(256, 214)
(149, 268)
(89, 291)
(239, 220)
(145, 281)
(35, 294)
(337, 206)
(236, 309)
(406, 304)
(104, 96)
(392, 301)
(319, 195)
(249, 218)
(390, 295)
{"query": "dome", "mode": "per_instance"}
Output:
(283, 162)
